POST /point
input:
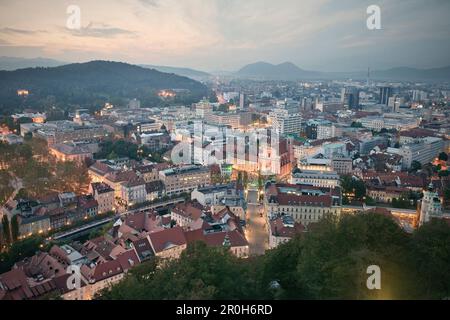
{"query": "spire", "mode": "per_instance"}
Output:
(226, 241)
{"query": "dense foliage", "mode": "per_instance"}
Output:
(20, 250)
(92, 83)
(330, 262)
(31, 164)
(352, 189)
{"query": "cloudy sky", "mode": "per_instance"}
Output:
(211, 35)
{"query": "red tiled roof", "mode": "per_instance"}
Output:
(143, 248)
(164, 239)
(191, 210)
(15, 285)
(216, 239)
(128, 259)
(279, 230)
(106, 270)
(101, 168)
(136, 221)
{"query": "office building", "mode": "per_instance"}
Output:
(385, 94)
(284, 122)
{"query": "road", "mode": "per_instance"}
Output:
(256, 231)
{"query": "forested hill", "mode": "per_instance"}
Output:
(91, 83)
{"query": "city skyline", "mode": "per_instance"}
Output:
(218, 35)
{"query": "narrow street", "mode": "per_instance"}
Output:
(256, 230)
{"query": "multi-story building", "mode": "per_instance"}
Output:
(422, 150)
(203, 108)
(389, 122)
(327, 179)
(232, 120)
(33, 225)
(327, 130)
(306, 204)
(385, 94)
(168, 243)
(104, 195)
(184, 214)
(315, 164)
(341, 164)
(305, 150)
(133, 191)
(212, 195)
(350, 98)
(366, 145)
(286, 123)
(71, 152)
(330, 149)
(185, 179)
(61, 131)
(386, 194)
(149, 173)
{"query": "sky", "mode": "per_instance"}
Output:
(213, 35)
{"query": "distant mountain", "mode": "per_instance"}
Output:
(185, 72)
(413, 74)
(11, 63)
(283, 71)
(289, 71)
(93, 83)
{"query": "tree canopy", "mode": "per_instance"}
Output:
(329, 262)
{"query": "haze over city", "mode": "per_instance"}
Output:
(217, 35)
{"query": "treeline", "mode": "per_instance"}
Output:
(329, 262)
(91, 83)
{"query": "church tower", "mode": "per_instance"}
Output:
(430, 205)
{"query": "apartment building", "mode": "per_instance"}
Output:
(285, 122)
(185, 179)
(422, 150)
(104, 195)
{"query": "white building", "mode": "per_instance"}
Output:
(423, 151)
(329, 179)
(212, 195)
(203, 108)
(133, 192)
(327, 130)
(285, 122)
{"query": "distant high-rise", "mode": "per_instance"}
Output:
(241, 101)
(350, 98)
(285, 122)
(385, 94)
(419, 95)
